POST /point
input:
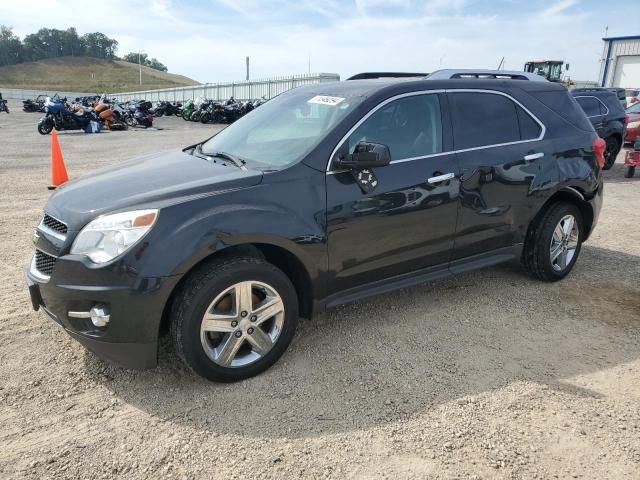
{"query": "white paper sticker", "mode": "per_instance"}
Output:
(324, 100)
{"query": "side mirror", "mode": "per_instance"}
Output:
(366, 155)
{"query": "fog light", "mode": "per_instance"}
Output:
(99, 315)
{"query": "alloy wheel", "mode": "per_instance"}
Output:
(564, 243)
(242, 324)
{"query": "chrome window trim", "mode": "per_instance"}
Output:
(601, 103)
(543, 128)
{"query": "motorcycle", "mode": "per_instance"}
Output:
(168, 108)
(187, 110)
(60, 118)
(139, 114)
(36, 105)
(3, 105)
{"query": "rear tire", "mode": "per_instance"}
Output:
(211, 312)
(611, 152)
(554, 242)
(630, 171)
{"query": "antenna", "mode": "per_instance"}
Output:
(501, 64)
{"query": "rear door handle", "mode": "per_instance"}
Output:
(441, 178)
(533, 156)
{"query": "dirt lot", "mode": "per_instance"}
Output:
(490, 375)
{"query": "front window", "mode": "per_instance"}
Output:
(411, 127)
(283, 130)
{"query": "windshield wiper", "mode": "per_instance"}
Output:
(237, 161)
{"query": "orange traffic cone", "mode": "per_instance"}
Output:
(58, 170)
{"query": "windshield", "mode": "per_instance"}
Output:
(283, 130)
(635, 108)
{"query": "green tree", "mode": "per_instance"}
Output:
(10, 47)
(143, 59)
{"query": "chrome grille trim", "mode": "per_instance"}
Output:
(42, 265)
(54, 227)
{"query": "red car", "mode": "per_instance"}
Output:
(633, 123)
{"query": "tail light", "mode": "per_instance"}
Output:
(599, 146)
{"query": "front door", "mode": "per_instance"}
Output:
(408, 221)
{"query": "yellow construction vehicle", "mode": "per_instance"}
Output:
(550, 69)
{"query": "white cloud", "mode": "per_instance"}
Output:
(340, 37)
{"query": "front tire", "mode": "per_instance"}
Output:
(45, 128)
(554, 242)
(630, 171)
(234, 318)
(611, 152)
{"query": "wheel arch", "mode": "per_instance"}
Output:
(277, 255)
(571, 195)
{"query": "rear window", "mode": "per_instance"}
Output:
(482, 119)
(562, 103)
(591, 106)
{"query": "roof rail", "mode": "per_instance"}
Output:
(372, 75)
(485, 74)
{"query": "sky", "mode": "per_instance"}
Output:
(208, 40)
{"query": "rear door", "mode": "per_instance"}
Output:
(408, 221)
(500, 149)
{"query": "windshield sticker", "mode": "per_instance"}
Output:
(324, 100)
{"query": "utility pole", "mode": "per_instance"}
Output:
(309, 64)
(247, 69)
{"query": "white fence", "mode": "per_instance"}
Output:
(246, 90)
(19, 94)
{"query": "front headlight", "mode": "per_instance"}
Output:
(109, 236)
(635, 124)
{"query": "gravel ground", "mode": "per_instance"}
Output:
(489, 375)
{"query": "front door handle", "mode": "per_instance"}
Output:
(441, 178)
(533, 156)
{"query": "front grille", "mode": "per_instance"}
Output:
(54, 224)
(45, 263)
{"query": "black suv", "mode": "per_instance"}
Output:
(325, 195)
(607, 115)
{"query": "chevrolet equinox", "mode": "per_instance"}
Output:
(324, 195)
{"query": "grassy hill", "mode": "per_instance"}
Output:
(86, 74)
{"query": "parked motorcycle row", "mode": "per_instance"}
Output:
(92, 113)
(210, 111)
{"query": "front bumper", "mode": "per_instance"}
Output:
(136, 306)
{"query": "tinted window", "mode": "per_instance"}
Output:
(529, 128)
(482, 119)
(565, 105)
(410, 127)
(590, 105)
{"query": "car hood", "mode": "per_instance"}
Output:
(145, 182)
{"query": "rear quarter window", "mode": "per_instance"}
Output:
(563, 104)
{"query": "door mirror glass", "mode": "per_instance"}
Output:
(365, 155)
